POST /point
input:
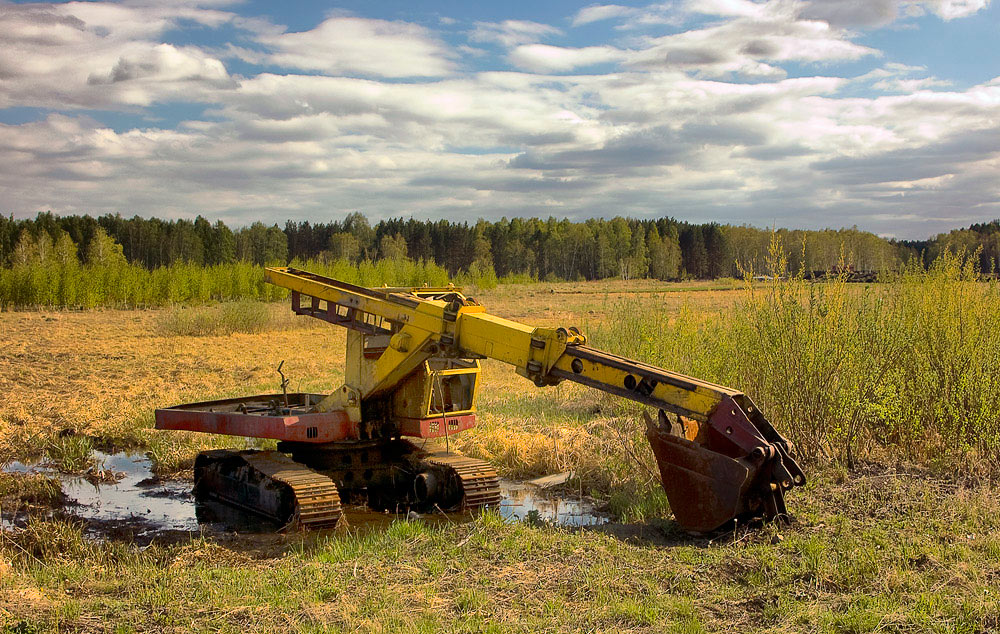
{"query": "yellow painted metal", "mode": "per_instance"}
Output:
(422, 327)
(395, 364)
(427, 314)
(494, 337)
(697, 403)
(415, 397)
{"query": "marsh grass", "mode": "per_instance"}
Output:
(30, 488)
(222, 319)
(909, 554)
(70, 452)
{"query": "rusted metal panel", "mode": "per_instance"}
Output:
(705, 489)
(732, 472)
(437, 427)
(257, 417)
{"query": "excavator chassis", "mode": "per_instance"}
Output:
(412, 370)
(302, 484)
(269, 484)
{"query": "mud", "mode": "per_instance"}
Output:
(137, 504)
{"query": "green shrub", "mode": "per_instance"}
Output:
(224, 319)
(906, 368)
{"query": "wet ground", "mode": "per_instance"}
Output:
(146, 506)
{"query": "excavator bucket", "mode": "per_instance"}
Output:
(725, 474)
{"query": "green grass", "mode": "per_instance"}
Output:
(70, 453)
(29, 488)
(925, 561)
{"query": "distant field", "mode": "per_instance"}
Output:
(895, 545)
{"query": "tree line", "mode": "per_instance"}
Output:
(550, 249)
(982, 239)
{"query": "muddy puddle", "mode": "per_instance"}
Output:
(148, 506)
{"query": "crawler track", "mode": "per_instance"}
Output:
(479, 481)
(269, 483)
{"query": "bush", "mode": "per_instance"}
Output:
(225, 319)
(906, 368)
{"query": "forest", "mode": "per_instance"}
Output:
(79, 260)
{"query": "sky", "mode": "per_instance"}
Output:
(880, 114)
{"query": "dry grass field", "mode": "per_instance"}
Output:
(896, 548)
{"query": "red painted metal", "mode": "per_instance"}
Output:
(435, 427)
(253, 416)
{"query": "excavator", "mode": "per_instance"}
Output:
(412, 372)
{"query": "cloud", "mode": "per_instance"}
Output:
(541, 58)
(730, 8)
(749, 46)
(874, 13)
(910, 85)
(600, 12)
(360, 46)
(702, 123)
(852, 13)
(95, 55)
(630, 17)
(643, 149)
(952, 9)
(511, 33)
(896, 77)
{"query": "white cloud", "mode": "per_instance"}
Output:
(873, 13)
(896, 77)
(600, 12)
(669, 130)
(95, 55)
(346, 45)
(542, 58)
(730, 8)
(749, 46)
(652, 15)
(910, 85)
(852, 13)
(511, 33)
(951, 9)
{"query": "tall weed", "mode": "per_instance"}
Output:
(224, 319)
(908, 368)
